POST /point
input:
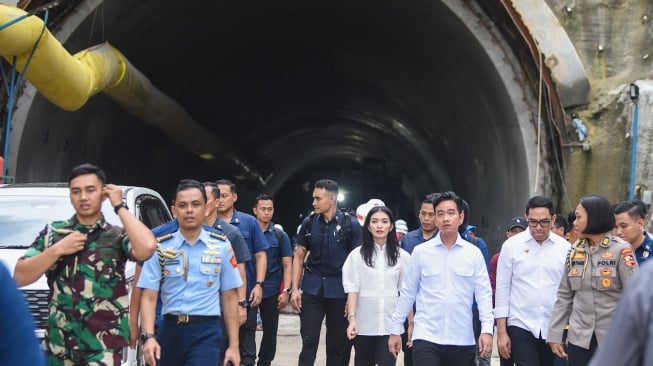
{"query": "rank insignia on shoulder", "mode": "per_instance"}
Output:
(163, 238)
(605, 242)
(218, 236)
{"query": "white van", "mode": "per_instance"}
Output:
(25, 209)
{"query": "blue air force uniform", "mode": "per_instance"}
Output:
(189, 279)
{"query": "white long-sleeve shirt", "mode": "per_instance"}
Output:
(442, 282)
(377, 288)
(528, 276)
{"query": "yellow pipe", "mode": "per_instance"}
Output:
(68, 81)
(64, 79)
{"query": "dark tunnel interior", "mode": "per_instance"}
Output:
(392, 99)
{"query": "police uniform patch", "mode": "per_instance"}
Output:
(605, 242)
(607, 255)
(233, 261)
(629, 258)
(606, 282)
(574, 272)
(606, 272)
(579, 256)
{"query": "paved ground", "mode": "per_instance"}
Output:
(289, 344)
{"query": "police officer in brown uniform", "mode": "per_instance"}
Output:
(598, 267)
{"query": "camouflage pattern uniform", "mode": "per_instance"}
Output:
(88, 311)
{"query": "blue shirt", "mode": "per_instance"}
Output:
(255, 240)
(192, 279)
(643, 252)
(413, 239)
(19, 344)
(328, 251)
(275, 252)
(443, 282)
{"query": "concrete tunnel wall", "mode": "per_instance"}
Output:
(392, 99)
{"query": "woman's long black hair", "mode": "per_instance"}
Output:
(391, 246)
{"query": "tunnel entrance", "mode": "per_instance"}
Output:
(392, 99)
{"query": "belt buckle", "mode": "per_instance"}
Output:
(182, 318)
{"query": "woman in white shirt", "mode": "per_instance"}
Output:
(372, 276)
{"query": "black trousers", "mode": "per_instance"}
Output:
(373, 350)
(408, 351)
(528, 350)
(432, 354)
(247, 338)
(270, 322)
(314, 309)
(578, 356)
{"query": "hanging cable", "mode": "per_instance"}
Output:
(14, 81)
(555, 152)
(539, 129)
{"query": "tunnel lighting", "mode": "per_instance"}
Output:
(341, 197)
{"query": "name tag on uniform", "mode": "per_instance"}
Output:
(171, 262)
(211, 259)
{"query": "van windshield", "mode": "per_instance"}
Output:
(23, 217)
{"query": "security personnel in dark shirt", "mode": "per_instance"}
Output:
(630, 219)
(329, 235)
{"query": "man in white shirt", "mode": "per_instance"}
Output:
(445, 273)
(528, 275)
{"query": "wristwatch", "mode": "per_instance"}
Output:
(287, 290)
(260, 283)
(243, 303)
(146, 336)
(119, 206)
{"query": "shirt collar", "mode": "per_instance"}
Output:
(101, 223)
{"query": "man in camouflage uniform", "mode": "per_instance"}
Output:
(84, 259)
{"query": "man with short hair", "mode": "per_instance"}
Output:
(528, 275)
(234, 235)
(630, 220)
(279, 269)
(443, 278)
(560, 226)
(85, 256)
(426, 231)
(196, 274)
(515, 226)
(329, 235)
(255, 269)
